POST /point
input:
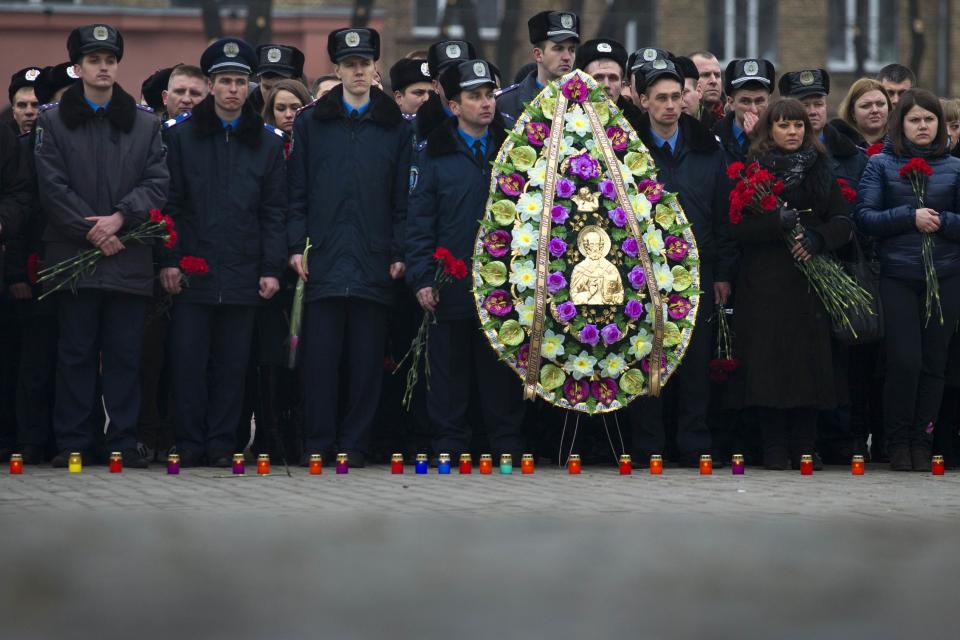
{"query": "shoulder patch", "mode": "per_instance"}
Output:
(272, 129)
(174, 121)
(49, 105)
(144, 107)
(500, 92)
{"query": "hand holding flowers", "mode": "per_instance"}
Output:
(916, 172)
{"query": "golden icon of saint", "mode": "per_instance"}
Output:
(586, 201)
(595, 280)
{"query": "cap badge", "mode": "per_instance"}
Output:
(751, 68)
(604, 47)
(100, 33)
(660, 64)
(566, 21)
(649, 55)
(479, 70)
(453, 51)
(425, 69)
(31, 74)
(352, 39)
(274, 55)
(72, 73)
(231, 49)
(806, 78)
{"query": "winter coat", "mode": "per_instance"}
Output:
(732, 151)
(511, 99)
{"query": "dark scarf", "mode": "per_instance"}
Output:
(926, 151)
(792, 167)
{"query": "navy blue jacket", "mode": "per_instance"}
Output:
(447, 200)
(732, 151)
(228, 199)
(348, 193)
(510, 100)
(886, 209)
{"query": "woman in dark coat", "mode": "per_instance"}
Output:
(782, 329)
(916, 348)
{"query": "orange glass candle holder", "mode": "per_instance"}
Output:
(466, 464)
(574, 465)
(626, 465)
(706, 465)
(857, 466)
(263, 464)
(937, 466)
(656, 465)
(316, 464)
(16, 464)
(526, 463)
(486, 464)
(806, 465)
(396, 464)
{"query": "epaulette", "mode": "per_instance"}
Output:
(144, 107)
(49, 105)
(409, 117)
(272, 129)
(180, 118)
(500, 92)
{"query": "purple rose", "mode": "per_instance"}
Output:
(637, 277)
(678, 307)
(610, 334)
(589, 335)
(566, 311)
(651, 189)
(576, 391)
(618, 137)
(512, 185)
(608, 189)
(557, 247)
(584, 166)
(576, 90)
(677, 248)
(618, 216)
(537, 133)
(522, 354)
(605, 390)
(565, 188)
(559, 214)
(630, 247)
(498, 302)
(645, 364)
(497, 243)
(556, 282)
(633, 309)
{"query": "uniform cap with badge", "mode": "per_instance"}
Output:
(408, 71)
(94, 37)
(280, 60)
(556, 26)
(444, 53)
(228, 54)
(749, 71)
(350, 42)
(465, 76)
(651, 72)
(644, 55)
(26, 77)
(801, 84)
(686, 67)
(601, 49)
(53, 79)
(153, 87)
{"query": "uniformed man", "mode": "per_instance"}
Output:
(554, 36)
(410, 82)
(710, 85)
(23, 99)
(606, 61)
(637, 59)
(348, 195)
(691, 79)
(186, 88)
(435, 111)
(151, 91)
(100, 169)
(748, 84)
(275, 62)
(449, 187)
(54, 81)
(228, 198)
(689, 162)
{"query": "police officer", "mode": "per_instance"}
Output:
(691, 90)
(450, 182)
(228, 197)
(748, 84)
(554, 36)
(23, 99)
(411, 83)
(435, 111)
(54, 81)
(606, 61)
(151, 91)
(275, 62)
(690, 163)
(637, 59)
(100, 170)
(710, 86)
(348, 194)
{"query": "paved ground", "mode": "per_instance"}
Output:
(767, 555)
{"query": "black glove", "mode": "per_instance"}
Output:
(811, 241)
(788, 218)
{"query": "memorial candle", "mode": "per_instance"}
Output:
(737, 465)
(506, 464)
(16, 464)
(573, 464)
(466, 463)
(486, 464)
(856, 466)
(343, 464)
(937, 466)
(396, 464)
(806, 465)
(239, 464)
(706, 465)
(316, 464)
(263, 464)
(421, 466)
(443, 464)
(656, 465)
(75, 462)
(116, 462)
(526, 463)
(173, 464)
(626, 465)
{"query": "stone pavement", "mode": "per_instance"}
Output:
(767, 555)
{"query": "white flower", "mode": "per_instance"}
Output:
(525, 311)
(641, 206)
(523, 239)
(538, 173)
(576, 121)
(663, 276)
(641, 344)
(523, 275)
(529, 206)
(612, 366)
(653, 239)
(590, 144)
(566, 147)
(580, 366)
(552, 346)
(626, 174)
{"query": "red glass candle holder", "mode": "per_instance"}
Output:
(937, 466)
(656, 465)
(806, 465)
(396, 464)
(706, 465)
(486, 464)
(626, 465)
(263, 464)
(857, 466)
(466, 464)
(574, 465)
(16, 464)
(116, 462)
(527, 464)
(316, 464)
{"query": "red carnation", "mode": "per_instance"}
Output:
(442, 253)
(735, 216)
(842, 182)
(768, 203)
(850, 195)
(777, 187)
(734, 170)
(156, 215)
(874, 149)
(170, 240)
(456, 268)
(194, 265)
(752, 168)
(916, 165)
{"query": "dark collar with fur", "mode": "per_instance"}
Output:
(839, 145)
(74, 110)
(443, 139)
(696, 137)
(206, 123)
(430, 115)
(383, 109)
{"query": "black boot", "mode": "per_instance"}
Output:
(920, 456)
(775, 455)
(899, 457)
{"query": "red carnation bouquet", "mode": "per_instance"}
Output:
(449, 269)
(724, 364)
(757, 192)
(916, 172)
(159, 226)
(849, 193)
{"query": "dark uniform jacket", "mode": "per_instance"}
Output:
(510, 101)
(631, 112)
(430, 115)
(847, 161)
(732, 151)
(447, 201)
(697, 174)
(886, 209)
(348, 193)
(25, 241)
(94, 165)
(228, 197)
(15, 188)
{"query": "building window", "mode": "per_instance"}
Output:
(743, 29)
(876, 20)
(429, 15)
